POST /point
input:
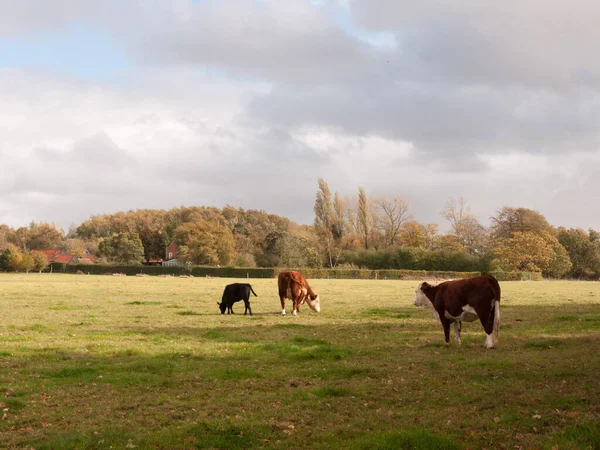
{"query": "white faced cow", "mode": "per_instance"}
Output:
(294, 286)
(464, 300)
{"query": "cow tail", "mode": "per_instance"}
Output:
(496, 318)
(252, 291)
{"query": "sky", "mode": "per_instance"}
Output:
(111, 105)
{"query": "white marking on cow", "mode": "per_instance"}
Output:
(315, 304)
(489, 341)
(283, 312)
(457, 327)
(293, 312)
(468, 315)
(422, 301)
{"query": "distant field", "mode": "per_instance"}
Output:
(98, 362)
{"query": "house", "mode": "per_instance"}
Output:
(60, 255)
(171, 251)
(172, 262)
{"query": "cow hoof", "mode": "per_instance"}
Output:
(489, 341)
(283, 312)
(293, 313)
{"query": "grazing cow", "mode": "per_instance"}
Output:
(234, 293)
(294, 286)
(464, 300)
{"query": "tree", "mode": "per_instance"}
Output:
(583, 250)
(509, 220)
(7, 235)
(40, 262)
(122, 248)
(41, 236)
(205, 243)
(324, 221)
(285, 250)
(560, 264)
(5, 258)
(450, 243)
(412, 234)
(524, 251)
(75, 246)
(470, 234)
(338, 226)
(363, 217)
(394, 214)
(27, 263)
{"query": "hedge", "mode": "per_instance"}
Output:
(271, 272)
(517, 276)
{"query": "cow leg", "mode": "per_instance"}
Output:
(484, 313)
(446, 325)
(457, 328)
(296, 302)
(282, 298)
(247, 305)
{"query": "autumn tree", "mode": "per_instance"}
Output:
(325, 222)
(508, 221)
(42, 236)
(412, 234)
(363, 217)
(122, 248)
(205, 243)
(560, 264)
(469, 233)
(75, 246)
(6, 236)
(524, 251)
(286, 250)
(40, 262)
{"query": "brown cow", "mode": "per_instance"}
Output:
(464, 300)
(294, 286)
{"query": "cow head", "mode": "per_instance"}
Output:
(222, 307)
(314, 303)
(421, 299)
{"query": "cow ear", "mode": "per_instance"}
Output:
(425, 285)
(218, 304)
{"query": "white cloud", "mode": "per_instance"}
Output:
(248, 103)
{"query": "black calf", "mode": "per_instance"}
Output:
(234, 293)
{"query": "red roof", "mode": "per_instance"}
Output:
(60, 255)
(67, 259)
(51, 254)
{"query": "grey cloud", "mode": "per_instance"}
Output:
(287, 41)
(443, 119)
(93, 165)
(535, 42)
(95, 151)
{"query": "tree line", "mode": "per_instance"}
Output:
(359, 232)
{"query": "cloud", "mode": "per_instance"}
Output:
(249, 102)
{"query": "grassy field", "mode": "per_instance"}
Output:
(96, 362)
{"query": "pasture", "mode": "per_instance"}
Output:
(99, 362)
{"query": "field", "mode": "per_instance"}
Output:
(95, 362)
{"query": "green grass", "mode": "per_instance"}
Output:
(98, 362)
